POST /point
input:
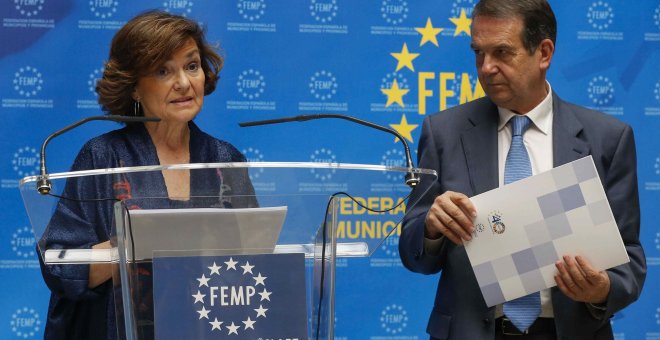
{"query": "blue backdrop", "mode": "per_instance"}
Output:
(382, 61)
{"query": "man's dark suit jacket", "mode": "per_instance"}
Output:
(461, 145)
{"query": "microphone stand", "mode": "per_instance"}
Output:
(412, 179)
(43, 183)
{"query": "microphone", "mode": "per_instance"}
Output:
(43, 183)
(411, 178)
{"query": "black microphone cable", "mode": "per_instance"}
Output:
(324, 243)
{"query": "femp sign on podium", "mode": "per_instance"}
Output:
(237, 297)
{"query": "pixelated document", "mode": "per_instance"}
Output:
(524, 227)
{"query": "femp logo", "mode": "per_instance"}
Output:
(251, 17)
(25, 323)
(323, 85)
(27, 14)
(323, 155)
(394, 86)
(656, 91)
(252, 292)
(600, 15)
(25, 161)
(180, 7)
(94, 77)
(254, 155)
(103, 9)
(393, 319)
(391, 246)
(323, 11)
(653, 184)
(87, 102)
(22, 243)
(28, 81)
(251, 84)
(251, 9)
(657, 241)
(462, 5)
(29, 8)
(656, 17)
(394, 12)
(401, 81)
(393, 158)
(601, 91)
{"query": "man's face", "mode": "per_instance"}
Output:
(510, 76)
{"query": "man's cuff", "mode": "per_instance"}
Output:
(598, 310)
(433, 247)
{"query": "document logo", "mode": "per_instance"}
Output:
(251, 84)
(323, 85)
(246, 297)
(180, 7)
(496, 224)
(600, 15)
(103, 9)
(394, 11)
(23, 243)
(323, 11)
(29, 8)
(480, 227)
(393, 319)
(251, 9)
(28, 81)
(601, 91)
(25, 323)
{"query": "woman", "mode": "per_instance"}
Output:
(160, 65)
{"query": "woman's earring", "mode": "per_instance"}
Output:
(136, 108)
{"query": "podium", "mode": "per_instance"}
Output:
(322, 211)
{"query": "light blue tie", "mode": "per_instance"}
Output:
(524, 310)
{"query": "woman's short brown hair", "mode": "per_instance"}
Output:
(140, 48)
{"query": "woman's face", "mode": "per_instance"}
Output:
(175, 92)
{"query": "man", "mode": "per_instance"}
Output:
(520, 128)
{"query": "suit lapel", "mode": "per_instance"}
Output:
(566, 146)
(480, 147)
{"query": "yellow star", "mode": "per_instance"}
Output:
(462, 24)
(394, 94)
(405, 58)
(404, 129)
(428, 33)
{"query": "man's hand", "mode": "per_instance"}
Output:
(451, 215)
(580, 281)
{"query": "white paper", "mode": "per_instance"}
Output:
(523, 228)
